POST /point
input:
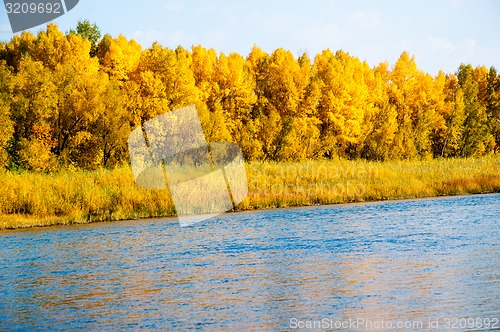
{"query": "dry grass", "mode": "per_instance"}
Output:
(329, 182)
(67, 197)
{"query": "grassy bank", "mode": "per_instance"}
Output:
(34, 199)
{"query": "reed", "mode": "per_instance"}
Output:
(30, 199)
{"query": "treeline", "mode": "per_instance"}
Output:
(70, 100)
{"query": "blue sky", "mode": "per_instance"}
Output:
(440, 33)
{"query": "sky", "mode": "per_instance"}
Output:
(441, 34)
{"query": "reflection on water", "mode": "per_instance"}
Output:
(406, 260)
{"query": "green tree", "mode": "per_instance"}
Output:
(493, 106)
(103, 47)
(475, 136)
(90, 32)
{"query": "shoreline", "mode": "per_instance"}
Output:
(82, 197)
(172, 218)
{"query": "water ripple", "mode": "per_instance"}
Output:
(404, 260)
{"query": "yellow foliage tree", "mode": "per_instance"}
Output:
(6, 124)
(343, 101)
(237, 98)
(121, 58)
(73, 99)
(380, 125)
(33, 107)
(416, 99)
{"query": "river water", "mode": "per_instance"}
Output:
(375, 266)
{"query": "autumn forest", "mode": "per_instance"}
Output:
(71, 100)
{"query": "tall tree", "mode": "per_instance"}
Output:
(72, 100)
(380, 125)
(33, 107)
(448, 133)
(121, 57)
(214, 117)
(6, 124)
(343, 104)
(475, 133)
(413, 93)
(52, 47)
(81, 87)
(90, 32)
(493, 106)
(112, 127)
(237, 98)
(18, 47)
(282, 89)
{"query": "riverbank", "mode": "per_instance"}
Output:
(70, 197)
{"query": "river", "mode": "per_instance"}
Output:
(426, 261)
